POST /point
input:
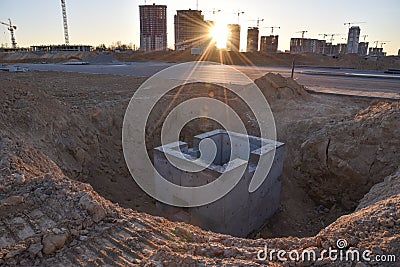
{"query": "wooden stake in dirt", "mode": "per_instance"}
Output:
(293, 65)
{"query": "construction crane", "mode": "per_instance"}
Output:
(364, 36)
(258, 20)
(323, 34)
(382, 43)
(352, 23)
(333, 36)
(238, 13)
(324, 43)
(64, 14)
(302, 33)
(11, 28)
(272, 29)
(214, 11)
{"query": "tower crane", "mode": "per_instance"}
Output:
(258, 20)
(323, 34)
(333, 36)
(11, 28)
(302, 33)
(238, 13)
(64, 14)
(352, 23)
(302, 37)
(324, 43)
(214, 11)
(382, 43)
(364, 36)
(272, 29)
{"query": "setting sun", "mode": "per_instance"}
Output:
(219, 33)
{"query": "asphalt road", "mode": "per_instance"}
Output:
(323, 80)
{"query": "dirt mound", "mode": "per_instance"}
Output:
(389, 187)
(78, 127)
(50, 220)
(275, 86)
(102, 59)
(39, 57)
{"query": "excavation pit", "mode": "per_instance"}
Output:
(240, 211)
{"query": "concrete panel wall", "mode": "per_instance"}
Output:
(239, 212)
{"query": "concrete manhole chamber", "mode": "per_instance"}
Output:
(239, 212)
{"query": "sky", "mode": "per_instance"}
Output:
(95, 22)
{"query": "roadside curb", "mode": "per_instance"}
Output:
(352, 75)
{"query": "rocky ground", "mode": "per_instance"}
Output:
(60, 132)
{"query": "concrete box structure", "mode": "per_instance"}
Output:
(239, 212)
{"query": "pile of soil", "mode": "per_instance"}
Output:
(219, 56)
(44, 57)
(275, 86)
(102, 59)
(388, 188)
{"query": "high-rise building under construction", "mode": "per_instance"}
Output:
(190, 29)
(252, 39)
(353, 40)
(363, 48)
(153, 27)
(269, 44)
(233, 42)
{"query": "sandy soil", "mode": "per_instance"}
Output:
(229, 58)
(56, 124)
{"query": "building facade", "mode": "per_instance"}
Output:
(153, 28)
(363, 48)
(252, 39)
(233, 42)
(190, 29)
(321, 47)
(269, 44)
(353, 40)
(60, 48)
(376, 52)
(304, 45)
